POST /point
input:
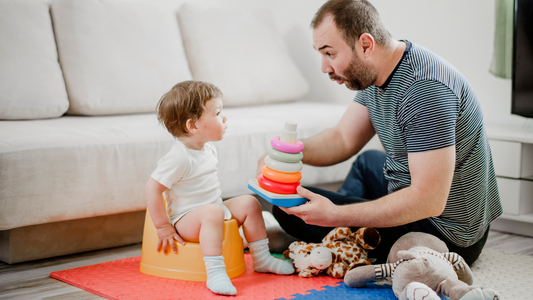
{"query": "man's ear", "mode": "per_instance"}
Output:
(367, 43)
(191, 126)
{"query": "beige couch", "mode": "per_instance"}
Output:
(79, 81)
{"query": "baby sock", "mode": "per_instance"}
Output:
(265, 262)
(217, 278)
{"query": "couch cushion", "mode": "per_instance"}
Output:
(31, 82)
(78, 167)
(240, 52)
(117, 56)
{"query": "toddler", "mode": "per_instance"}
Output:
(187, 176)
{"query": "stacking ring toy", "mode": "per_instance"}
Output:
(277, 187)
(284, 156)
(281, 176)
(277, 144)
(283, 166)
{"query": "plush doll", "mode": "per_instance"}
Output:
(420, 267)
(340, 251)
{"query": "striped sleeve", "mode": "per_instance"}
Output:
(386, 270)
(456, 260)
(360, 98)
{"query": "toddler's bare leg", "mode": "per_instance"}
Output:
(247, 211)
(204, 225)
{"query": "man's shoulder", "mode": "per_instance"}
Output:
(418, 50)
(421, 58)
(424, 65)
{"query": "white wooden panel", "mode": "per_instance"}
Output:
(516, 195)
(526, 197)
(506, 157)
(509, 195)
(527, 161)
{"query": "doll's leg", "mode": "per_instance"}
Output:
(460, 266)
(204, 224)
(458, 290)
(247, 211)
(418, 291)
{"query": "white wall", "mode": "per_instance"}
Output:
(461, 31)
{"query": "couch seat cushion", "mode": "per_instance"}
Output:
(78, 167)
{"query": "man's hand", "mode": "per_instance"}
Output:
(167, 235)
(319, 210)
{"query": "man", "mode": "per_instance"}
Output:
(436, 174)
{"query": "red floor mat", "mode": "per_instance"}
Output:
(121, 279)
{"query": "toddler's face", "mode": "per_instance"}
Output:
(212, 124)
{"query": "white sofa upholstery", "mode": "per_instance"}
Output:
(79, 80)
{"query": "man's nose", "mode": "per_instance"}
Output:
(326, 66)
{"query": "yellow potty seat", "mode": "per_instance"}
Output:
(188, 263)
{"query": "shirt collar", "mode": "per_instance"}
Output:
(407, 49)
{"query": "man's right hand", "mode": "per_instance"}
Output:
(167, 236)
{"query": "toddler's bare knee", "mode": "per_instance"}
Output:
(250, 203)
(213, 211)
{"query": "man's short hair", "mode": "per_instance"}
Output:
(353, 18)
(186, 100)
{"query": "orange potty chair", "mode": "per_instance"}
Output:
(188, 263)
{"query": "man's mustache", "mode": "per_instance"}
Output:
(332, 76)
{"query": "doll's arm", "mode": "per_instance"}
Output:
(460, 267)
(360, 276)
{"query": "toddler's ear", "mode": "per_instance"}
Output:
(191, 126)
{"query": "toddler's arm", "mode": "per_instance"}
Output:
(165, 231)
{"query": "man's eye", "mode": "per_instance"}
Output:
(329, 54)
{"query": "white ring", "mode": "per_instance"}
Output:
(283, 166)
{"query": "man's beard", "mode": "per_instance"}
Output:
(358, 75)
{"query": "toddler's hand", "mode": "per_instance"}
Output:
(167, 235)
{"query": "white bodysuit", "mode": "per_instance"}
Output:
(191, 177)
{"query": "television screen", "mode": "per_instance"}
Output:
(522, 89)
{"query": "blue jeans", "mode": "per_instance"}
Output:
(366, 182)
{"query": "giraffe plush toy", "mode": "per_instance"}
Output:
(340, 251)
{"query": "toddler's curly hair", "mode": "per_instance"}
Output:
(186, 100)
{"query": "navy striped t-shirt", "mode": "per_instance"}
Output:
(426, 104)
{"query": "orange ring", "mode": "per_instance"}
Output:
(277, 187)
(281, 176)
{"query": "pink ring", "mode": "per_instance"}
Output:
(286, 147)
